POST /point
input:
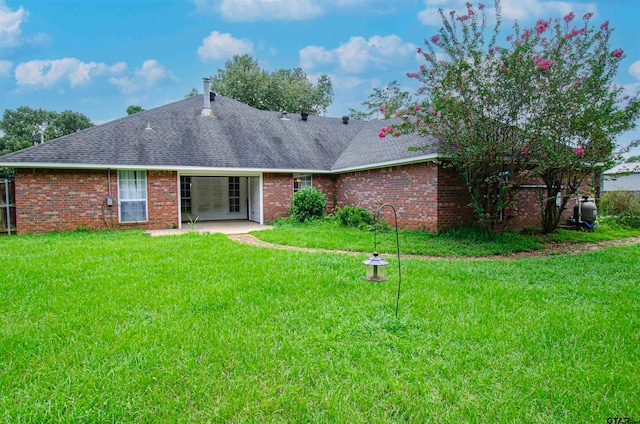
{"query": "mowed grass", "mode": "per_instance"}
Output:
(328, 234)
(120, 327)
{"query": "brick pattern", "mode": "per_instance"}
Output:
(411, 189)
(66, 199)
(427, 196)
(453, 200)
(277, 190)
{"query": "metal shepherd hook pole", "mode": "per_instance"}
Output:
(375, 246)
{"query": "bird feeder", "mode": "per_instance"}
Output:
(375, 268)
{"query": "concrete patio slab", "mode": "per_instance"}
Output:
(223, 227)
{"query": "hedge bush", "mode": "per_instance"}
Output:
(308, 204)
(623, 205)
(354, 216)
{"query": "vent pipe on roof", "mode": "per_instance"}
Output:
(304, 115)
(207, 98)
(283, 116)
(345, 119)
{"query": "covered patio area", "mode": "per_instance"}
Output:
(224, 227)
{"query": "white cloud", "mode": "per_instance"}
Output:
(46, 73)
(312, 56)
(151, 73)
(10, 21)
(290, 10)
(634, 69)
(520, 10)
(359, 54)
(255, 10)
(5, 68)
(222, 46)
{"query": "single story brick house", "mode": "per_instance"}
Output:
(215, 158)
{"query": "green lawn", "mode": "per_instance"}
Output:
(120, 327)
(459, 243)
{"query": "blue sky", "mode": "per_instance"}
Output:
(98, 57)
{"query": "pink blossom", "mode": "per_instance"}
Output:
(412, 75)
(617, 53)
(525, 34)
(435, 39)
(505, 70)
(417, 107)
(544, 155)
(470, 12)
(625, 98)
(579, 151)
(509, 37)
(605, 26)
(524, 153)
(423, 68)
(422, 90)
(587, 16)
(469, 5)
(381, 134)
(452, 13)
(418, 121)
(419, 50)
(383, 109)
(569, 17)
(462, 18)
(480, 6)
(543, 64)
(541, 26)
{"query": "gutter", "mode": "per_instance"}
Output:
(226, 170)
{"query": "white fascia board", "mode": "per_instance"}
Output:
(407, 161)
(181, 169)
(203, 170)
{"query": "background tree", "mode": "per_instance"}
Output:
(635, 158)
(392, 98)
(281, 90)
(134, 109)
(192, 93)
(20, 126)
(544, 106)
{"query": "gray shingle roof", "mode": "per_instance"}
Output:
(238, 136)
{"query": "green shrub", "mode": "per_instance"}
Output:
(623, 206)
(354, 216)
(308, 204)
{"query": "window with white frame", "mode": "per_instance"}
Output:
(132, 196)
(301, 181)
(234, 194)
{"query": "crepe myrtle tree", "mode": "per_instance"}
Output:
(536, 102)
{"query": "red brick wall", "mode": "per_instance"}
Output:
(525, 212)
(277, 191)
(65, 199)
(327, 185)
(411, 189)
(453, 200)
